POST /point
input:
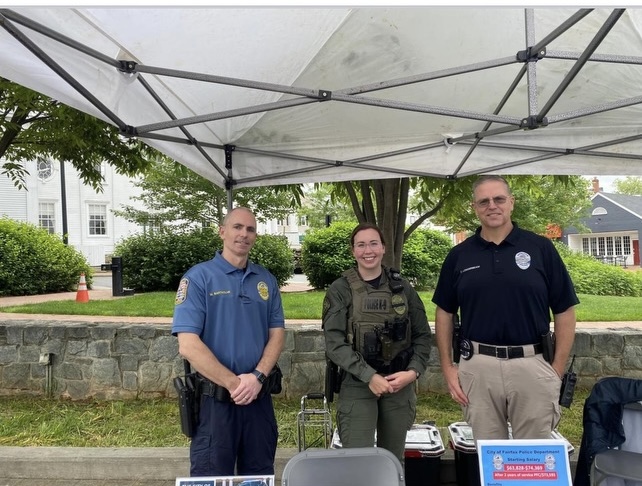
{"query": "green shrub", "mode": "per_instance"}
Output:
(423, 254)
(274, 253)
(325, 253)
(33, 261)
(595, 278)
(153, 262)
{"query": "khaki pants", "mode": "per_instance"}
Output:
(522, 391)
(360, 413)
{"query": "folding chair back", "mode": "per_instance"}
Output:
(360, 466)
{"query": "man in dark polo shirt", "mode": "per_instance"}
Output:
(504, 281)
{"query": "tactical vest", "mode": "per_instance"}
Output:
(379, 328)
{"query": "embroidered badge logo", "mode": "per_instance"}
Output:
(398, 304)
(181, 293)
(264, 292)
(523, 260)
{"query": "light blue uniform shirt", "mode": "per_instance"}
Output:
(230, 309)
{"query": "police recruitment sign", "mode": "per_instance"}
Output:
(524, 462)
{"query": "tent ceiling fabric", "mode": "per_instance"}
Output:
(331, 94)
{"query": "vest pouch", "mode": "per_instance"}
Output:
(400, 330)
(386, 347)
(366, 340)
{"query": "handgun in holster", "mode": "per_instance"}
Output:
(188, 400)
(456, 338)
(332, 379)
(548, 347)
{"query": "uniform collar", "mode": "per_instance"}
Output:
(227, 267)
(511, 238)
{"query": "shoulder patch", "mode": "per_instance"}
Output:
(326, 305)
(181, 293)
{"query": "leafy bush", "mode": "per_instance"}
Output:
(423, 254)
(157, 261)
(595, 278)
(274, 253)
(325, 253)
(33, 261)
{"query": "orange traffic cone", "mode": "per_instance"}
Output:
(82, 295)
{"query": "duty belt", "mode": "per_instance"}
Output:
(508, 352)
(211, 389)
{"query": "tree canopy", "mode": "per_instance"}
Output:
(35, 127)
(173, 195)
(541, 202)
(630, 185)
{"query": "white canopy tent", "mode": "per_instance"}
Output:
(267, 96)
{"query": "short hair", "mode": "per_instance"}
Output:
(365, 226)
(490, 177)
(229, 213)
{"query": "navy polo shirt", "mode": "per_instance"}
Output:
(231, 309)
(505, 292)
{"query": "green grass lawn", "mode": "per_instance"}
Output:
(25, 421)
(305, 305)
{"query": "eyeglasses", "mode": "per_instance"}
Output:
(497, 200)
(361, 246)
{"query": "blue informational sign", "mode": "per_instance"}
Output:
(523, 462)
(226, 481)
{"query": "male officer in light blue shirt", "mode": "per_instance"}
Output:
(229, 322)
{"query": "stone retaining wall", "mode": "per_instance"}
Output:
(80, 360)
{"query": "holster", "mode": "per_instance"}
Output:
(456, 339)
(548, 346)
(332, 379)
(273, 382)
(188, 400)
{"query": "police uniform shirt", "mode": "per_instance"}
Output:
(231, 309)
(506, 291)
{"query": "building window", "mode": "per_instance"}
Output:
(97, 219)
(45, 170)
(47, 217)
(626, 243)
(599, 211)
(607, 246)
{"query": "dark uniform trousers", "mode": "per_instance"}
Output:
(229, 434)
(360, 413)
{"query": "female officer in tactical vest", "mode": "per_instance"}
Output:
(377, 333)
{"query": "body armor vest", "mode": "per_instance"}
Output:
(379, 328)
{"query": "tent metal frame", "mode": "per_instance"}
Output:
(536, 118)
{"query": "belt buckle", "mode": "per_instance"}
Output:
(501, 352)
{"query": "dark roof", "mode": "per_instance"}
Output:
(630, 203)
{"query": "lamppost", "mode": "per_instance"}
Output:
(63, 203)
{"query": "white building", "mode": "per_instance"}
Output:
(92, 228)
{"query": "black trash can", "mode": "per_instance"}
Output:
(422, 456)
(466, 461)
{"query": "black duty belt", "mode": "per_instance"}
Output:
(211, 389)
(508, 352)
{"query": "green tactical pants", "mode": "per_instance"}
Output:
(360, 413)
